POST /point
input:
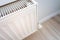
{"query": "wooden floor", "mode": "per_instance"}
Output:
(50, 30)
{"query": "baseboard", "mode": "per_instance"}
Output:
(59, 12)
(49, 16)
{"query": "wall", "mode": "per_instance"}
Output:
(3, 2)
(47, 7)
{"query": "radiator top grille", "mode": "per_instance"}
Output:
(12, 7)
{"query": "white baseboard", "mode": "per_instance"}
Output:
(49, 16)
(59, 12)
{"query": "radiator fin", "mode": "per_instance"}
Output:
(13, 7)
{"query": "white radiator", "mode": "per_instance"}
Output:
(18, 20)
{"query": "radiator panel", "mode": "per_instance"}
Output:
(19, 24)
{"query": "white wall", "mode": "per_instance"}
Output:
(46, 7)
(3, 2)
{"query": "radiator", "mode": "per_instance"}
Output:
(18, 20)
